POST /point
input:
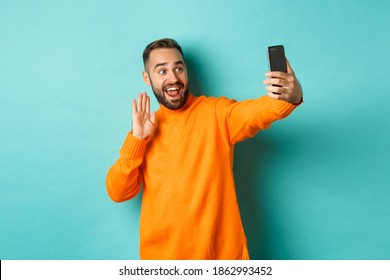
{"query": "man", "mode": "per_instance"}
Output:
(183, 156)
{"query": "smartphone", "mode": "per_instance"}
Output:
(277, 58)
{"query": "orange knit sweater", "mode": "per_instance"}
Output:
(189, 205)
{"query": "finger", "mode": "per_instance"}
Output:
(275, 81)
(144, 101)
(273, 95)
(289, 69)
(275, 89)
(134, 103)
(147, 104)
(289, 77)
(277, 74)
(139, 103)
(153, 118)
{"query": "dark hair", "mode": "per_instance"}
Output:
(165, 43)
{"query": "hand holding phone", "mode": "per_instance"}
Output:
(277, 60)
(287, 87)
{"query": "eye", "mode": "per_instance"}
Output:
(179, 69)
(162, 72)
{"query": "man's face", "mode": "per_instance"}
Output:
(166, 73)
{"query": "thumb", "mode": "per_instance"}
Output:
(289, 69)
(153, 118)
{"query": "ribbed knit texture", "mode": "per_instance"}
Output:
(133, 147)
(189, 204)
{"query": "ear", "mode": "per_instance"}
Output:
(145, 75)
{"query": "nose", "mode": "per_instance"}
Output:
(173, 76)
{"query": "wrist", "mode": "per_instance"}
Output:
(137, 135)
(298, 101)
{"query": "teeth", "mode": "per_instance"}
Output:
(171, 89)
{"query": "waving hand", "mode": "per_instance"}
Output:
(144, 122)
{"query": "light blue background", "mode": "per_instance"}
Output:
(314, 186)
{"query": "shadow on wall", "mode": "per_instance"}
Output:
(250, 157)
(197, 75)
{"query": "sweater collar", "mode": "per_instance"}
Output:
(166, 114)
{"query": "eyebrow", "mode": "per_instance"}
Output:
(179, 62)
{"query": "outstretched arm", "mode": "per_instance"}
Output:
(244, 119)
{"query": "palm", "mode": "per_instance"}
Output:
(143, 121)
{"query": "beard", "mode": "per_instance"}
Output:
(171, 104)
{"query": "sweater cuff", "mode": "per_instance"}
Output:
(285, 108)
(133, 147)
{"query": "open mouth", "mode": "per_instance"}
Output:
(173, 91)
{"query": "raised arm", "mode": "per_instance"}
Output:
(124, 178)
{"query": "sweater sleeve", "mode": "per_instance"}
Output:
(124, 178)
(242, 120)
